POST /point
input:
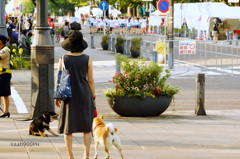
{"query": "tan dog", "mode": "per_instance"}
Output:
(106, 135)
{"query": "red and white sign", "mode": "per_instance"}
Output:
(163, 6)
(187, 47)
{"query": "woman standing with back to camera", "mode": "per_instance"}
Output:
(5, 75)
(77, 112)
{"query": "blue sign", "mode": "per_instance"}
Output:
(103, 5)
(163, 6)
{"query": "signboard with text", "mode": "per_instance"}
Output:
(187, 47)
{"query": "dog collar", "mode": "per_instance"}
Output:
(96, 126)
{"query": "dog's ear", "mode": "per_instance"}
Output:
(101, 117)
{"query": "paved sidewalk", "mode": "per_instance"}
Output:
(176, 134)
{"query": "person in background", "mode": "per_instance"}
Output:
(52, 27)
(14, 38)
(22, 42)
(77, 112)
(66, 30)
(82, 18)
(215, 32)
(28, 43)
(5, 75)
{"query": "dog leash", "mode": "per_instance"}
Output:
(1, 110)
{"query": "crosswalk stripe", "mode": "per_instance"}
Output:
(21, 108)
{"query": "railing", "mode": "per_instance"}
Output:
(222, 58)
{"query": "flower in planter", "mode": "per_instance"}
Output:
(119, 41)
(140, 79)
(161, 47)
(105, 39)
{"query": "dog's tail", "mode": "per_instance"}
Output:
(111, 128)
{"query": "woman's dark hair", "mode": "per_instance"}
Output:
(4, 39)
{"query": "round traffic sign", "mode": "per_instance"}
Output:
(103, 5)
(163, 6)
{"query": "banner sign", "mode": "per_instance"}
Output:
(187, 47)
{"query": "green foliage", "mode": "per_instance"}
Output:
(119, 41)
(28, 6)
(140, 79)
(135, 43)
(105, 39)
(18, 59)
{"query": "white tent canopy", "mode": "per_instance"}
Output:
(198, 15)
(96, 11)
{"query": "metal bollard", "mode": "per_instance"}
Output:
(92, 42)
(154, 56)
(113, 44)
(141, 49)
(230, 38)
(200, 88)
(128, 47)
(148, 50)
(124, 46)
(118, 68)
(109, 43)
(236, 38)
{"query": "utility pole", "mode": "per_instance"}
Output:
(3, 29)
(170, 34)
(42, 64)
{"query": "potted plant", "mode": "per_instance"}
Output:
(162, 50)
(119, 44)
(104, 42)
(140, 90)
(135, 47)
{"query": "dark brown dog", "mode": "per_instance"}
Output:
(40, 124)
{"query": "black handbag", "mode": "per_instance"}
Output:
(63, 89)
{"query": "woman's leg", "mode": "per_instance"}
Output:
(6, 103)
(87, 143)
(68, 142)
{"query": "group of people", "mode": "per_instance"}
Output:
(24, 26)
(77, 112)
(115, 23)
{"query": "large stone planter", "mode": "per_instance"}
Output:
(162, 58)
(137, 107)
(119, 49)
(105, 46)
(135, 53)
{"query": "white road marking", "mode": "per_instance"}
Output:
(21, 108)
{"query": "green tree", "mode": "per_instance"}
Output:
(28, 6)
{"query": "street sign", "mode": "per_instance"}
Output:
(163, 6)
(187, 47)
(103, 5)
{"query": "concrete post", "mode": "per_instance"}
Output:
(113, 44)
(3, 29)
(154, 56)
(109, 43)
(230, 37)
(118, 68)
(92, 42)
(128, 46)
(125, 46)
(148, 50)
(42, 64)
(236, 38)
(200, 88)
(141, 49)
(170, 35)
